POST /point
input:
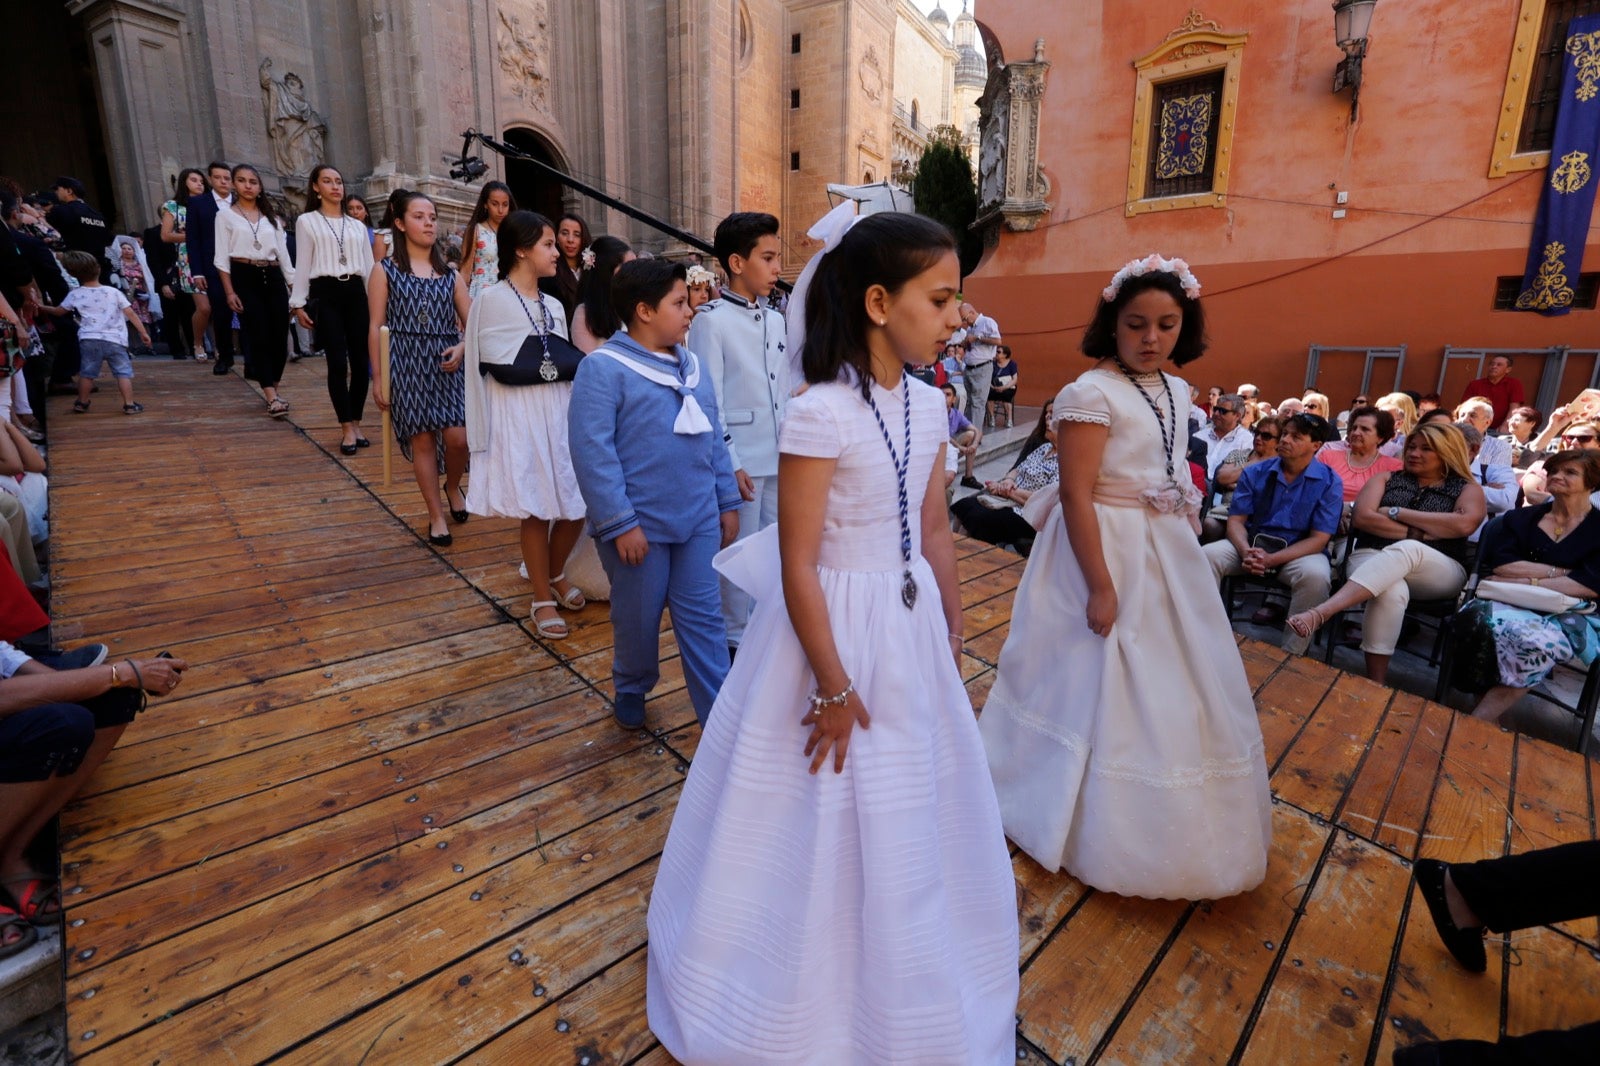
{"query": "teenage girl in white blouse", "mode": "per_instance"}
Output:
(335, 258)
(253, 262)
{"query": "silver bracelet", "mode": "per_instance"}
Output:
(818, 701)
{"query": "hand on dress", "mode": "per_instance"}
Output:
(452, 358)
(1102, 612)
(730, 527)
(747, 488)
(632, 547)
(830, 731)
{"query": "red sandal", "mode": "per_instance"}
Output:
(35, 897)
(9, 920)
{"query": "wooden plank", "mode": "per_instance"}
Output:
(1318, 769)
(1076, 986)
(1195, 1005)
(1043, 899)
(1552, 807)
(1260, 662)
(238, 948)
(1285, 702)
(1554, 983)
(1327, 991)
(373, 962)
(1431, 997)
(504, 984)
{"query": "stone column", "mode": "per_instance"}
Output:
(1011, 185)
(145, 89)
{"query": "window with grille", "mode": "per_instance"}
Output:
(1544, 85)
(1585, 295)
(1185, 121)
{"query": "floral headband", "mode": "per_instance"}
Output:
(1153, 264)
(587, 258)
(699, 275)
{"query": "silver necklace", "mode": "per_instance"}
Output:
(339, 236)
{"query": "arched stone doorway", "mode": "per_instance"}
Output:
(533, 189)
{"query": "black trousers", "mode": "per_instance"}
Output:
(1536, 888)
(177, 323)
(264, 322)
(996, 525)
(340, 316)
(221, 316)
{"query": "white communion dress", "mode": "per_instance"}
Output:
(1132, 761)
(864, 917)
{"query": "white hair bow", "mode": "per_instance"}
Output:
(830, 230)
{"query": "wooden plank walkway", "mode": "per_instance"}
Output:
(382, 823)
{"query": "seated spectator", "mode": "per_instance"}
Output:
(1226, 433)
(994, 516)
(1359, 457)
(1283, 513)
(1479, 413)
(22, 475)
(1429, 401)
(19, 542)
(1522, 891)
(1290, 407)
(1506, 650)
(1343, 421)
(1411, 539)
(1265, 446)
(1003, 389)
(1404, 412)
(1498, 480)
(1315, 403)
(59, 718)
(1578, 436)
(1521, 425)
(964, 436)
(953, 372)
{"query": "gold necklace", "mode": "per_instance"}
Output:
(1561, 530)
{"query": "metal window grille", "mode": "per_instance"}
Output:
(1544, 85)
(1203, 85)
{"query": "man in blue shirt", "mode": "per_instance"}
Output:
(1284, 512)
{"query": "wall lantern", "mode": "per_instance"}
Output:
(1351, 20)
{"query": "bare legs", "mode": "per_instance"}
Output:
(545, 547)
(1496, 702)
(201, 320)
(425, 465)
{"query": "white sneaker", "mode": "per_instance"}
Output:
(522, 571)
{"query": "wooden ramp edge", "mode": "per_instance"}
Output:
(382, 822)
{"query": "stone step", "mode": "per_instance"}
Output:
(30, 983)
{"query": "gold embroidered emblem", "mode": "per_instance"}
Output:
(1573, 173)
(1185, 137)
(1550, 289)
(1584, 48)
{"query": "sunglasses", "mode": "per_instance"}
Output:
(1266, 436)
(1584, 438)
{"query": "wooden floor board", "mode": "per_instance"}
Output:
(383, 822)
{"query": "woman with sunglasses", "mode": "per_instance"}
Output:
(1578, 436)
(1267, 432)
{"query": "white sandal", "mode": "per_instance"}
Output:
(549, 628)
(573, 600)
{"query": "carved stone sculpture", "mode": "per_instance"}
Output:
(523, 54)
(1010, 184)
(296, 132)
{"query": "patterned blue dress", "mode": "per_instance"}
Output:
(422, 324)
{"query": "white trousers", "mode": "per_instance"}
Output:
(1308, 579)
(754, 516)
(1393, 575)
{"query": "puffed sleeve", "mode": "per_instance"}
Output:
(1081, 401)
(809, 427)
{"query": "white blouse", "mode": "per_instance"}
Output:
(328, 248)
(238, 239)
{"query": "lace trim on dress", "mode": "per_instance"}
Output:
(1078, 414)
(1037, 723)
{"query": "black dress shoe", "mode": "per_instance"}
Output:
(1465, 944)
(456, 516)
(441, 540)
(347, 449)
(221, 369)
(972, 483)
(362, 442)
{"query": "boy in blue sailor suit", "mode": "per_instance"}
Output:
(740, 340)
(659, 487)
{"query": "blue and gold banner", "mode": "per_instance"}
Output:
(1185, 136)
(1562, 225)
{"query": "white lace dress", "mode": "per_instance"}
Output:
(1134, 762)
(862, 918)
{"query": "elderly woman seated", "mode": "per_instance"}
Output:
(59, 718)
(1411, 539)
(1577, 436)
(1504, 650)
(994, 515)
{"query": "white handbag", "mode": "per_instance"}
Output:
(1532, 597)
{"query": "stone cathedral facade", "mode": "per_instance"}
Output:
(688, 109)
